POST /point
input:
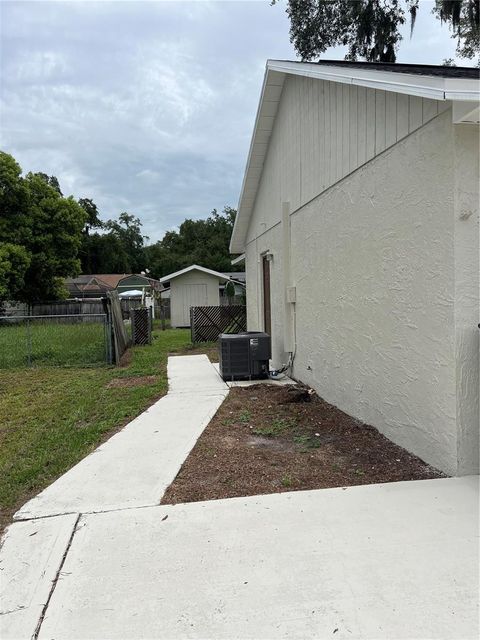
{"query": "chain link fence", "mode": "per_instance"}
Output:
(55, 340)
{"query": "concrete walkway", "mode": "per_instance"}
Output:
(391, 561)
(135, 466)
(129, 471)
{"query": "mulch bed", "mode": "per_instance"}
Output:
(267, 439)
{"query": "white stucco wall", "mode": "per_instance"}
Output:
(385, 311)
(467, 287)
(181, 294)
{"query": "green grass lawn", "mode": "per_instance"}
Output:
(51, 417)
(47, 342)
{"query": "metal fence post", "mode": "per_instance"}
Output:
(29, 343)
(108, 338)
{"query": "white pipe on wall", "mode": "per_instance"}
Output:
(288, 337)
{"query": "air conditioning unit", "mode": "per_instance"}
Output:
(244, 356)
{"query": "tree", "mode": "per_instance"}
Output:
(92, 222)
(202, 242)
(371, 28)
(230, 291)
(14, 262)
(91, 211)
(128, 230)
(463, 18)
(40, 234)
(51, 180)
(119, 249)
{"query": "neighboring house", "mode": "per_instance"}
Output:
(96, 285)
(359, 220)
(194, 286)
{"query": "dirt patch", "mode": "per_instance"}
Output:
(126, 359)
(209, 349)
(267, 439)
(137, 381)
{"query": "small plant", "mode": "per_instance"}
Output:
(286, 481)
(278, 426)
(307, 442)
(245, 416)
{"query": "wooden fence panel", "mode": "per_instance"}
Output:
(207, 323)
(120, 339)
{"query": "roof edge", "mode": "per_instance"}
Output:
(436, 87)
(193, 267)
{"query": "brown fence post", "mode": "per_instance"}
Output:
(120, 340)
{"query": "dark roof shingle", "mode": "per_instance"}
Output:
(416, 69)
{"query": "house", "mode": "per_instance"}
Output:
(194, 286)
(359, 220)
(96, 285)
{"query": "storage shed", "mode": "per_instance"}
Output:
(193, 286)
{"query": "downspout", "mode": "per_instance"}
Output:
(289, 294)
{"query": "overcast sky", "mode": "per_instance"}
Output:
(148, 107)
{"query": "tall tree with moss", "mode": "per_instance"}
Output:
(370, 29)
(40, 235)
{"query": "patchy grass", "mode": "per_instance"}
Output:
(276, 427)
(50, 418)
(267, 439)
(209, 348)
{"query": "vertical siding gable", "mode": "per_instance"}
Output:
(325, 130)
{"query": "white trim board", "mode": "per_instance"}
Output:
(194, 267)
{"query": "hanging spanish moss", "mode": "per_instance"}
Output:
(370, 29)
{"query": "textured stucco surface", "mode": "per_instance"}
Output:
(467, 286)
(375, 287)
(375, 261)
(180, 293)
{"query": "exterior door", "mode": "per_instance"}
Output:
(194, 295)
(267, 310)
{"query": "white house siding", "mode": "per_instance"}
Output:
(375, 290)
(374, 263)
(325, 130)
(194, 288)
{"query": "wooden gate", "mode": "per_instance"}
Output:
(120, 340)
(207, 323)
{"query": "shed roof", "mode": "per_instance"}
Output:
(458, 84)
(194, 267)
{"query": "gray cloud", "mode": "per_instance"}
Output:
(148, 106)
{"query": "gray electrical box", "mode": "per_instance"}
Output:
(244, 356)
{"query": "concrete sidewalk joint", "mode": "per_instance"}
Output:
(128, 472)
(397, 560)
(137, 464)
